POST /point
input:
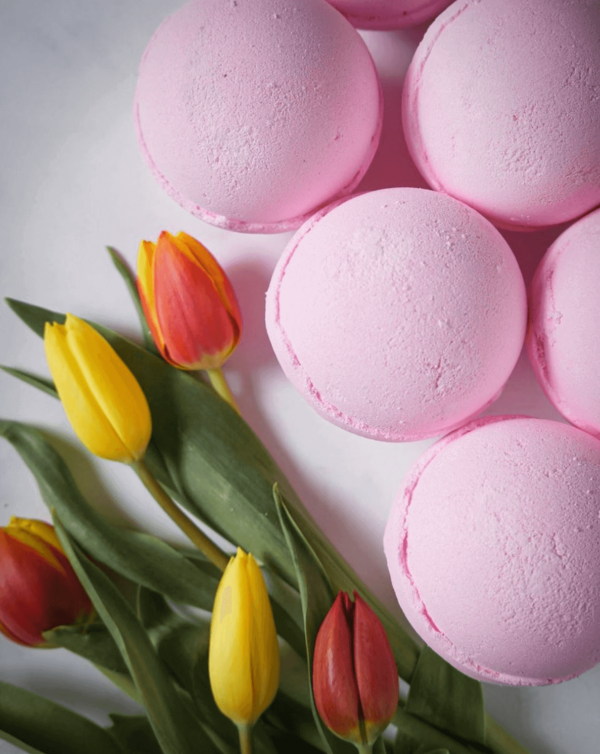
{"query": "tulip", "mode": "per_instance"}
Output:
(102, 399)
(243, 660)
(355, 681)
(189, 303)
(38, 587)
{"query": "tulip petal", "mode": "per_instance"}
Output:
(229, 662)
(197, 329)
(145, 286)
(264, 649)
(39, 529)
(334, 685)
(102, 399)
(35, 596)
(375, 668)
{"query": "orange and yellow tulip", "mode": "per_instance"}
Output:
(38, 587)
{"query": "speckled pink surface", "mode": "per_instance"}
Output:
(397, 314)
(501, 108)
(564, 326)
(493, 547)
(253, 113)
(389, 14)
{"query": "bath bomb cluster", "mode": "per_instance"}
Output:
(501, 108)
(564, 323)
(398, 314)
(493, 547)
(389, 14)
(254, 113)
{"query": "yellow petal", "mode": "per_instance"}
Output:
(229, 661)
(101, 398)
(264, 646)
(145, 282)
(20, 530)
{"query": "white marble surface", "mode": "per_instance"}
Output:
(72, 181)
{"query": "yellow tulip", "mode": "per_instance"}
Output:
(243, 654)
(102, 399)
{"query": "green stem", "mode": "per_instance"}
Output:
(245, 746)
(187, 526)
(499, 741)
(365, 748)
(218, 381)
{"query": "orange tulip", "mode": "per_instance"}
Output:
(355, 681)
(188, 301)
(38, 587)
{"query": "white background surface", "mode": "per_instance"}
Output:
(71, 182)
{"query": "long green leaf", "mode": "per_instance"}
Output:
(447, 699)
(177, 731)
(418, 737)
(135, 734)
(92, 641)
(43, 384)
(140, 557)
(48, 728)
(317, 598)
(128, 277)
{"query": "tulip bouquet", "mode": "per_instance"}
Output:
(214, 679)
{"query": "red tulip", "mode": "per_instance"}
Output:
(188, 301)
(38, 587)
(355, 681)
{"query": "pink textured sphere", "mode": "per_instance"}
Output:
(502, 109)
(254, 113)
(564, 325)
(397, 314)
(389, 14)
(493, 547)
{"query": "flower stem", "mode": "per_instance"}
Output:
(218, 381)
(244, 731)
(187, 526)
(365, 748)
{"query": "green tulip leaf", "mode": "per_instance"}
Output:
(42, 383)
(208, 458)
(317, 596)
(446, 698)
(415, 736)
(134, 733)
(129, 278)
(177, 731)
(92, 641)
(40, 726)
(140, 557)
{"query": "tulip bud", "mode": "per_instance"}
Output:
(102, 399)
(189, 303)
(355, 681)
(38, 587)
(243, 660)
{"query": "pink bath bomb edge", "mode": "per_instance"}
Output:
(389, 14)
(397, 314)
(253, 114)
(500, 108)
(493, 548)
(562, 338)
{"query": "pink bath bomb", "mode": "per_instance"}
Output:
(253, 113)
(397, 314)
(564, 325)
(493, 547)
(389, 14)
(501, 108)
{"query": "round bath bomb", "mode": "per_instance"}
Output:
(397, 314)
(562, 340)
(500, 108)
(493, 547)
(389, 14)
(253, 113)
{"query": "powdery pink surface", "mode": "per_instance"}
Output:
(562, 340)
(493, 547)
(253, 113)
(397, 314)
(389, 14)
(501, 108)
